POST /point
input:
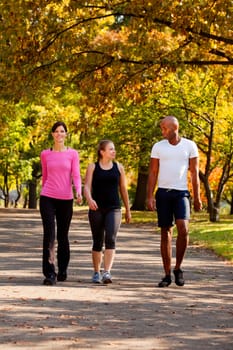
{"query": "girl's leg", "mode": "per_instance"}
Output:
(112, 225)
(109, 255)
(96, 220)
(96, 260)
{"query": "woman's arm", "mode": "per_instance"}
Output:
(76, 176)
(43, 167)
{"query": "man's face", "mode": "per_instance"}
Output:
(167, 131)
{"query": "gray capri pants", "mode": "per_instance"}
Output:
(104, 224)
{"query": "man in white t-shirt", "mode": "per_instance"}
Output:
(170, 161)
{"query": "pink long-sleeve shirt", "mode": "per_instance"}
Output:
(60, 170)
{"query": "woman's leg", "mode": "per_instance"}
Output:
(64, 214)
(47, 210)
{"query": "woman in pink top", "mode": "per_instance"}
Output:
(60, 171)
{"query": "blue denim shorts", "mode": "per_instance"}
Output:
(172, 205)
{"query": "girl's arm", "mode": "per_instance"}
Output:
(88, 186)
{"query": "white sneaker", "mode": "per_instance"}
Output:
(107, 278)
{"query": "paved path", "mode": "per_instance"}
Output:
(131, 314)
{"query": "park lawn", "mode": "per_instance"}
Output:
(217, 236)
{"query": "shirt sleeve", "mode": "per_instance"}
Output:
(194, 150)
(154, 151)
(76, 177)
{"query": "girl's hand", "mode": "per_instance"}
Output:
(127, 217)
(92, 204)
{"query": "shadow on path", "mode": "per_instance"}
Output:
(132, 313)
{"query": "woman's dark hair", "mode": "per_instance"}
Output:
(57, 124)
(101, 147)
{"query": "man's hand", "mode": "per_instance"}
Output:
(197, 204)
(151, 204)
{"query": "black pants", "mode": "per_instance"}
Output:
(60, 211)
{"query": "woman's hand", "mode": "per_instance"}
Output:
(79, 199)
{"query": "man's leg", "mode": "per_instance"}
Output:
(182, 214)
(181, 241)
(166, 248)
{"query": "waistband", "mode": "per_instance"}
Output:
(170, 189)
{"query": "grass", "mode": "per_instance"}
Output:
(217, 236)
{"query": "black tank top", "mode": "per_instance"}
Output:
(105, 184)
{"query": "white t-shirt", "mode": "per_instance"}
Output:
(174, 162)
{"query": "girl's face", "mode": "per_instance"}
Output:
(59, 134)
(109, 151)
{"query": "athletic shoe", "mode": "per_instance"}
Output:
(179, 279)
(50, 280)
(107, 278)
(165, 282)
(96, 278)
(62, 276)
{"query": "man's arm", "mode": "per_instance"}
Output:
(124, 193)
(152, 180)
(194, 170)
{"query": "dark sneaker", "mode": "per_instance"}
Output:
(165, 282)
(50, 280)
(62, 276)
(107, 278)
(179, 279)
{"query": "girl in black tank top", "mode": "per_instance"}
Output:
(105, 185)
(104, 179)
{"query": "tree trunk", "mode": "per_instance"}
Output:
(6, 200)
(32, 201)
(231, 205)
(140, 196)
(213, 209)
(214, 214)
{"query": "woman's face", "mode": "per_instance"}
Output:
(59, 134)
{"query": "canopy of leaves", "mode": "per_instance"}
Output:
(101, 46)
(112, 69)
